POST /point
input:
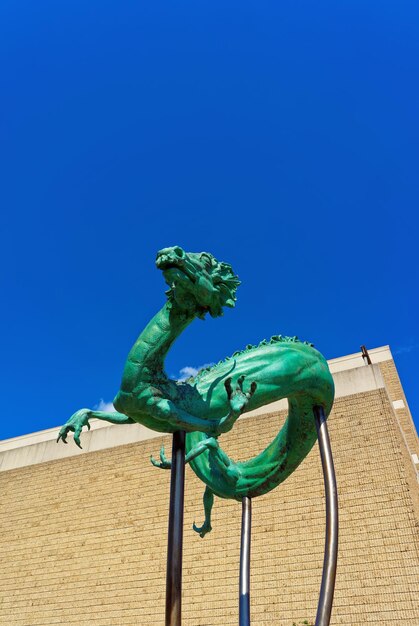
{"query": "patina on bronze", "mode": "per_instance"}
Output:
(208, 405)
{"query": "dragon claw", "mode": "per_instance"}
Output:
(253, 388)
(63, 435)
(164, 462)
(239, 398)
(75, 424)
(227, 385)
(202, 530)
(153, 461)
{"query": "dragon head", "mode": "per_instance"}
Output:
(198, 282)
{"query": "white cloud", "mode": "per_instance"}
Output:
(188, 370)
(406, 349)
(106, 407)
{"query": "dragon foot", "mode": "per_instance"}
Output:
(202, 530)
(207, 444)
(164, 462)
(238, 400)
(75, 424)
(208, 502)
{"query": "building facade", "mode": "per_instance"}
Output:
(83, 533)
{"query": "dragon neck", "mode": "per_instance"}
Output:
(155, 341)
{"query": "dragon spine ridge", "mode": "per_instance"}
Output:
(265, 342)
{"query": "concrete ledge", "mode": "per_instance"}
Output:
(359, 380)
(351, 361)
(98, 438)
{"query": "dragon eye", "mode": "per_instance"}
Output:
(179, 252)
(206, 261)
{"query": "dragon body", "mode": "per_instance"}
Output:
(208, 404)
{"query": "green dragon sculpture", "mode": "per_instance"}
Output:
(207, 405)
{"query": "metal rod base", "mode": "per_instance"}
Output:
(327, 589)
(175, 534)
(244, 593)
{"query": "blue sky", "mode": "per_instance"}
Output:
(280, 136)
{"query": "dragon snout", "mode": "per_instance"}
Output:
(170, 257)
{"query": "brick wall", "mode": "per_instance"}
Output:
(83, 539)
(395, 391)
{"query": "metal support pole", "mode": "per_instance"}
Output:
(175, 535)
(324, 608)
(244, 594)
